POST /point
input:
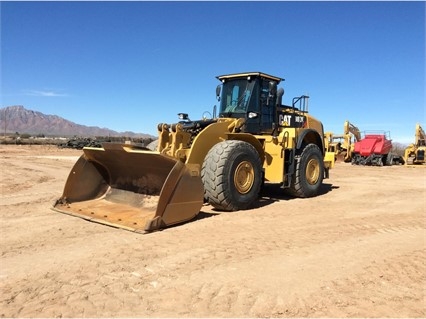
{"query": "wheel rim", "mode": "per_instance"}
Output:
(312, 171)
(244, 177)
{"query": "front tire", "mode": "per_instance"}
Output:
(232, 175)
(309, 173)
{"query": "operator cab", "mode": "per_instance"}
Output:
(253, 96)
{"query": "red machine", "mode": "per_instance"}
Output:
(373, 149)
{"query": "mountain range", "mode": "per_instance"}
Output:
(17, 118)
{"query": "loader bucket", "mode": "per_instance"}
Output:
(134, 189)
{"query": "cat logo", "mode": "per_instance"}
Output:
(284, 120)
(291, 120)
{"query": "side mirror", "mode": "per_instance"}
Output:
(218, 88)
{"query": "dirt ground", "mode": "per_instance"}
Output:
(357, 250)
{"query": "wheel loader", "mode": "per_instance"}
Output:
(222, 160)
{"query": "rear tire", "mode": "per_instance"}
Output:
(232, 175)
(309, 173)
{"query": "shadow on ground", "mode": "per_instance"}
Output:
(269, 195)
(274, 193)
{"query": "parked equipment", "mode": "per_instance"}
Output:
(343, 145)
(221, 160)
(374, 149)
(415, 153)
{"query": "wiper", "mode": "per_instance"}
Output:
(241, 100)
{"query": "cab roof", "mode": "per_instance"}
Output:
(246, 74)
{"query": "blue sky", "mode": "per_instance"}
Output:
(131, 65)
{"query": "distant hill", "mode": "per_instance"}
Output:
(18, 119)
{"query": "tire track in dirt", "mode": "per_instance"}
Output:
(9, 202)
(356, 235)
(227, 297)
(341, 268)
(345, 296)
(163, 288)
(249, 245)
(286, 258)
(26, 180)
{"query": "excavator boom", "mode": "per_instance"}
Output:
(415, 153)
(420, 136)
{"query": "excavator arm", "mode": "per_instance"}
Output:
(420, 136)
(348, 130)
(415, 153)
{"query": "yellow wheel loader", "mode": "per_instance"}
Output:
(222, 160)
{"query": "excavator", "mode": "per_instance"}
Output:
(415, 153)
(343, 145)
(222, 160)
